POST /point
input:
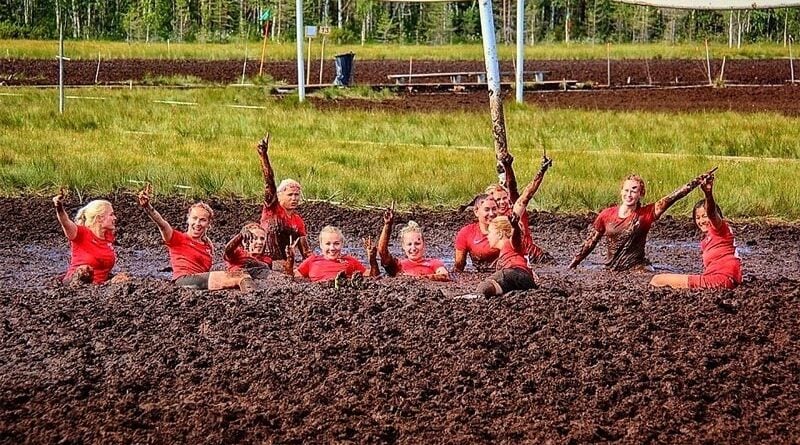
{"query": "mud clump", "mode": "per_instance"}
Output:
(591, 356)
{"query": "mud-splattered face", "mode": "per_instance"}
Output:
(107, 220)
(198, 221)
(502, 200)
(258, 241)
(701, 219)
(330, 244)
(289, 198)
(494, 236)
(413, 246)
(631, 192)
(485, 211)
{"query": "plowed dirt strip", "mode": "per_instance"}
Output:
(590, 357)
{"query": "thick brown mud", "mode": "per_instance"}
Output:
(591, 356)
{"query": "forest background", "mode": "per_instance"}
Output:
(374, 21)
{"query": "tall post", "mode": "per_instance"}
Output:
(791, 59)
(301, 86)
(520, 48)
(61, 67)
(493, 80)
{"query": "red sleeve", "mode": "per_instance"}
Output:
(237, 258)
(724, 232)
(649, 212)
(177, 239)
(305, 267)
(462, 238)
(600, 222)
(436, 263)
(354, 265)
(81, 235)
(301, 226)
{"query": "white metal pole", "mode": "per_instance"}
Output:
(791, 58)
(520, 48)
(493, 80)
(61, 67)
(301, 87)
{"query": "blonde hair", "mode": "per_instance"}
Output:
(253, 226)
(411, 227)
(289, 183)
(201, 205)
(495, 188)
(637, 178)
(503, 226)
(331, 229)
(87, 214)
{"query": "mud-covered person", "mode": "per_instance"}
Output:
(412, 242)
(91, 238)
(722, 268)
(333, 264)
(279, 217)
(627, 224)
(191, 253)
(507, 194)
(471, 240)
(246, 252)
(512, 271)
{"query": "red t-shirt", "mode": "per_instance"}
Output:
(626, 237)
(719, 253)
(280, 227)
(471, 240)
(511, 259)
(87, 249)
(317, 268)
(426, 266)
(241, 256)
(188, 256)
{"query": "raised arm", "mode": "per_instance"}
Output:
(460, 261)
(707, 186)
(270, 191)
(521, 204)
(587, 248)
(238, 240)
(510, 178)
(666, 202)
(371, 250)
(67, 225)
(387, 260)
(144, 202)
(288, 265)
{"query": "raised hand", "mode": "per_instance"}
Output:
(145, 196)
(58, 200)
(388, 215)
(707, 183)
(263, 146)
(290, 248)
(247, 236)
(370, 248)
(546, 162)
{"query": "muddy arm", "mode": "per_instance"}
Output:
(288, 265)
(67, 225)
(163, 226)
(666, 202)
(460, 261)
(511, 178)
(521, 204)
(710, 204)
(587, 248)
(372, 257)
(233, 244)
(305, 249)
(389, 262)
(270, 191)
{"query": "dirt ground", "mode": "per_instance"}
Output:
(589, 357)
(656, 85)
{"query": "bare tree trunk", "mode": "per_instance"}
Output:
(566, 24)
(730, 30)
(739, 30)
(786, 28)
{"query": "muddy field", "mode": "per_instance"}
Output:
(591, 356)
(657, 85)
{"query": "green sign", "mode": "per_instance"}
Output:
(266, 15)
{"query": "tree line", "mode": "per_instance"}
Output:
(363, 21)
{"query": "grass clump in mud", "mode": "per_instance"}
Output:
(173, 80)
(354, 92)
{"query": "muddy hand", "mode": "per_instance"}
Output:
(246, 236)
(263, 146)
(144, 195)
(546, 162)
(58, 200)
(290, 248)
(370, 248)
(707, 183)
(388, 215)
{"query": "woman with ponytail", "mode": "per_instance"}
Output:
(191, 252)
(90, 237)
(413, 244)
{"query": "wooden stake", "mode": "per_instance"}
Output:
(708, 64)
(608, 64)
(308, 68)
(321, 59)
(97, 72)
(263, 53)
(791, 58)
(722, 72)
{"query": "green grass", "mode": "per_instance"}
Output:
(361, 157)
(80, 49)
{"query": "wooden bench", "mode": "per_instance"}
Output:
(456, 77)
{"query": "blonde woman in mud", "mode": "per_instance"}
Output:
(627, 224)
(90, 237)
(191, 252)
(413, 244)
(506, 195)
(333, 264)
(279, 217)
(722, 269)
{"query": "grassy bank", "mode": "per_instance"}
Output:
(81, 49)
(109, 139)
